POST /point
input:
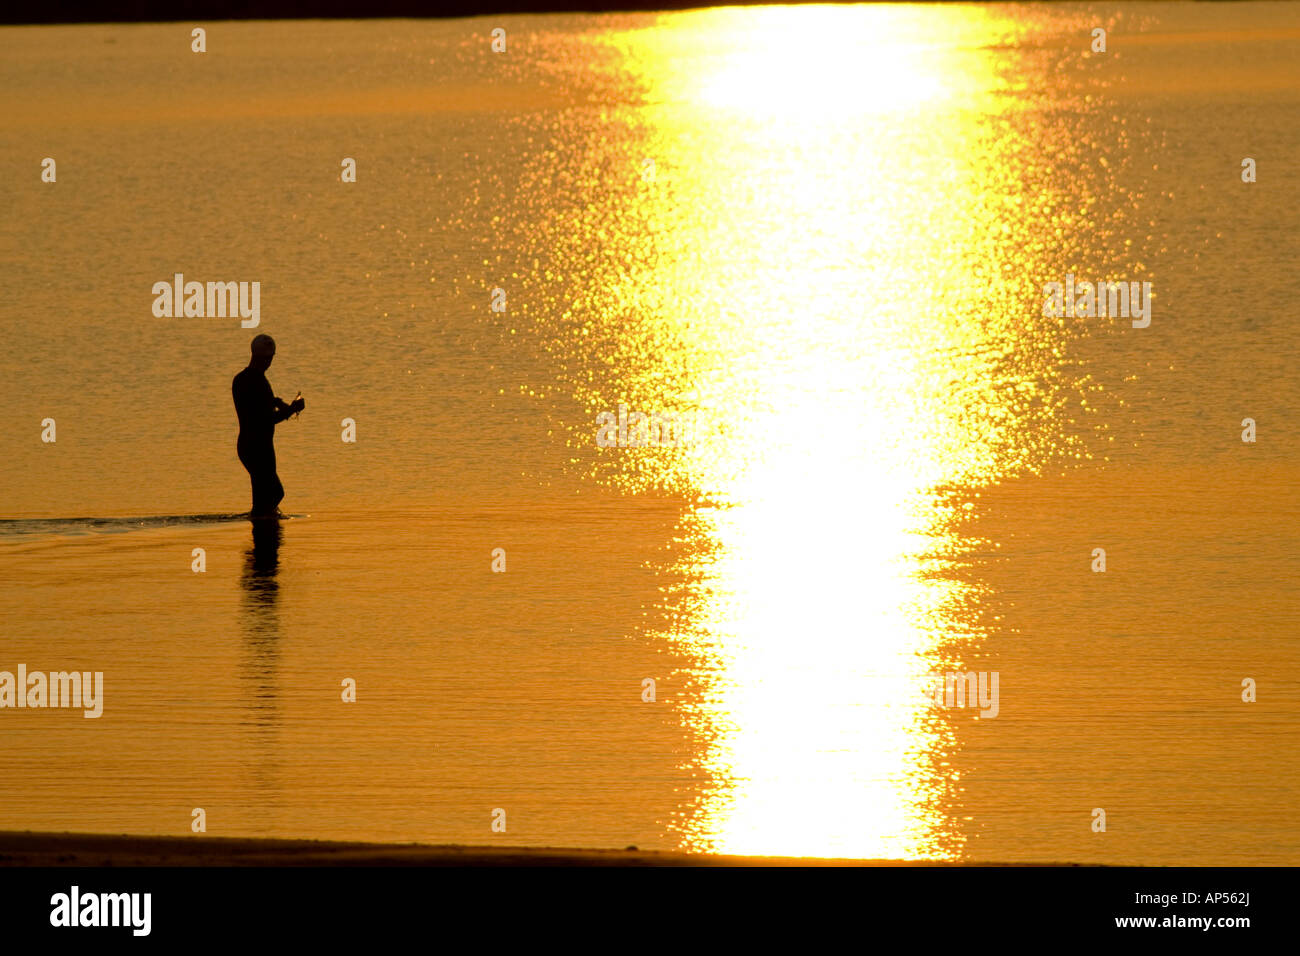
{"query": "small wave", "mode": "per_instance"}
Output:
(11, 527)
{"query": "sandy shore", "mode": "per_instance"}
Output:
(89, 849)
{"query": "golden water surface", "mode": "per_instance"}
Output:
(820, 232)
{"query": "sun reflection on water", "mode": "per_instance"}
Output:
(833, 264)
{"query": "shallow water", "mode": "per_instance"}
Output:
(74, 526)
(833, 263)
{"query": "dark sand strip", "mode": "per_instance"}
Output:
(92, 849)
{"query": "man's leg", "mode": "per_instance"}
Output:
(262, 504)
(274, 490)
(249, 461)
(267, 490)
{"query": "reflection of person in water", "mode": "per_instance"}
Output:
(259, 410)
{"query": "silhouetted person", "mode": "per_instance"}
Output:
(259, 411)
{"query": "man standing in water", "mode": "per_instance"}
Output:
(259, 410)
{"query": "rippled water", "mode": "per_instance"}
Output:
(822, 235)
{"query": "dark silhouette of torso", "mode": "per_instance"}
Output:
(259, 410)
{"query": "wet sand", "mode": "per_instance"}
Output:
(93, 849)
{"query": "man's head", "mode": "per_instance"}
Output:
(263, 351)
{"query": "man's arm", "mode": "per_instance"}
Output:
(283, 409)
